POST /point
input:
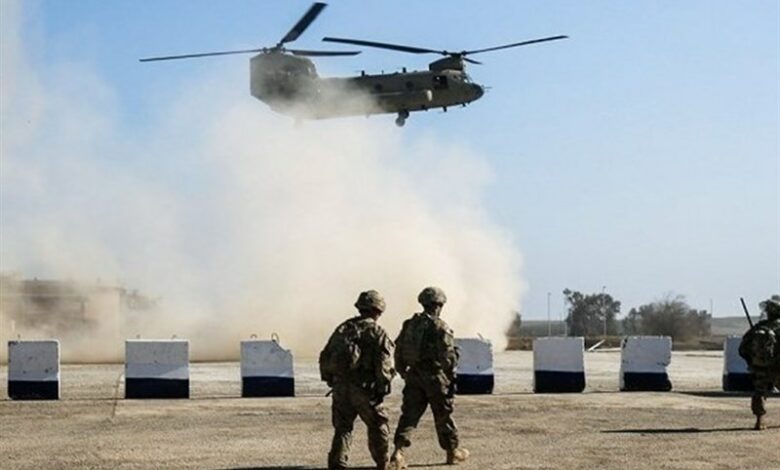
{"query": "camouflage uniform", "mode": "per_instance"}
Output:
(765, 379)
(429, 381)
(360, 392)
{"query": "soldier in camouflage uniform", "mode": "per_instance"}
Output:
(426, 357)
(360, 385)
(760, 347)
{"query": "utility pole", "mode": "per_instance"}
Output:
(604, 310)
(549, 324)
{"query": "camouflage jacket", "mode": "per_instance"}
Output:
(437, 352)
(746, 345)
(374, 371)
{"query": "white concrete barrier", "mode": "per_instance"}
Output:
(643, 363)
(475, 366)
(157, 368)
(34, 370)
(559, 365)
(736, 376)
(266, 370)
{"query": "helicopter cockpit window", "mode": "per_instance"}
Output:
(439, 82)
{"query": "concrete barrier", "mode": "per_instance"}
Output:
(643, 363)
(736, 376)
(266, 370)
(559, 365)
(157, 368)
(475, 366)
(34, 370)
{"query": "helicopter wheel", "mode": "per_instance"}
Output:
(401, 119)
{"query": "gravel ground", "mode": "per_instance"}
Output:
(694, 427)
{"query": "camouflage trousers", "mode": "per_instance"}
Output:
(421, 390)
(349, 402)
(764, 382)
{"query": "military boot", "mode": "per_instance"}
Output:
(456, 456)
(397, 461)
(760, 424)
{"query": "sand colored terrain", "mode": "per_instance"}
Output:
(694, 427)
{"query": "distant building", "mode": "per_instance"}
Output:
(35, 308)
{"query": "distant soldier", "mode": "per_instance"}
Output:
(357, 364)
(760, 347)
(426, 358)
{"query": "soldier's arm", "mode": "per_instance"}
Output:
(384, 362)
(448, 355)
(400, 364)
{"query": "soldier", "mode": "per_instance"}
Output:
(426, 358)
(760, 347)
(357, 364)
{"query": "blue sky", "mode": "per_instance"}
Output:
(642, 154)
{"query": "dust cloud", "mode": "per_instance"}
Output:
(238, 221)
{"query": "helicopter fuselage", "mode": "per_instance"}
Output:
(290, 85)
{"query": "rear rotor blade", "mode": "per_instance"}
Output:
(306, 53)
(517, 44)
(383, 45)
(303, 23)
(203, 54)
(472, 61)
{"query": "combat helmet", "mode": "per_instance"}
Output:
(432, 296)
(772, 307)
(370, 300)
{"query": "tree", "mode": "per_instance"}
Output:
(670, 316)
(589, 315)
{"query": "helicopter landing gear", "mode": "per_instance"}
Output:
(401, 119)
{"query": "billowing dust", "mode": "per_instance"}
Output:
(237, 220)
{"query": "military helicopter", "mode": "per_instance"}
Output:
(288, 82)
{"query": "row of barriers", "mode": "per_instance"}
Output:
(161, 368)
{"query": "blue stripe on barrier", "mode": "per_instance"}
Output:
(267, 387)
(474, 384)
(558, 382)
(157, 388)
(646, 382)
(738, 383)
(33, 390)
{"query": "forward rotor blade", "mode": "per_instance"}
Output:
(303, 23)
(203, 54)
(472, 61)
(302, 52)
(517, 44)
(383, 45)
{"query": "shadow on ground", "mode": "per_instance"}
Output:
(681, 430)
(301, 467)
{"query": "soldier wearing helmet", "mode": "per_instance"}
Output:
(357, 364)
(760, 347)
(426, 357)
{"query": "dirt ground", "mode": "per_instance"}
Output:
(694, 427)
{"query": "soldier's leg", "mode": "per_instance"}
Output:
(412, 408)
(376, 419)
(757, 404)
(446, 430)
(763, 385)
(343, 416)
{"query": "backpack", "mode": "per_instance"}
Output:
(760, 347)
(412, 338)
(342, 353)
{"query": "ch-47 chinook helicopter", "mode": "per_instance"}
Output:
(288, 82)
